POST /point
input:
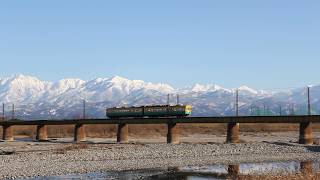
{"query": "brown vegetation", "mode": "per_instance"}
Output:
(298, 176)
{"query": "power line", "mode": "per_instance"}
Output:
(309, 103)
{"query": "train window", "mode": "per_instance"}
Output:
(155, 109)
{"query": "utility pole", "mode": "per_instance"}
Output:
(237, 102)
(264, 109)
(292, 109)
(3, 111)
(168, 99)
(280, 110)
(84, 109)
(309, 102)
(12, 112)
(178, 99)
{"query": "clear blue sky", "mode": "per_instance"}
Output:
(263, 44)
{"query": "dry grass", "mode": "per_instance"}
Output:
(109, 131)
(150, 130)
(298, 176)
(29, 131)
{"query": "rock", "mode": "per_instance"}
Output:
(2, 152)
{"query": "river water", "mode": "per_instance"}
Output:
(252, 170)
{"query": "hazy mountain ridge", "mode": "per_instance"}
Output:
(34, 98)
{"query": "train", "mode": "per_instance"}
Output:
(150, 111)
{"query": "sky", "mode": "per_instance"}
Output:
(262, 44)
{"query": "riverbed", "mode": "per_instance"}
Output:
(62, 157)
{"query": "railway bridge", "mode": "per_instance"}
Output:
(305, 134)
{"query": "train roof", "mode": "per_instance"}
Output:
(152, 106)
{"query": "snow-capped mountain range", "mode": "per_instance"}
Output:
(37, 99)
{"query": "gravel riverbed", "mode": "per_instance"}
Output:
(33, 159)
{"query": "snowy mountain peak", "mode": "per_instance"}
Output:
(34, 98)
(68, 84)
(22, 78)
(117, 79)
(247, 89)
(98, 80)
(203, 88)
(21, 88)
(19, 81)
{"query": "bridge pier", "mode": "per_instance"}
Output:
(79, 133)
(173, 133)
(233, 170)
(123, 133)
(42, 134)
(233, 132)
(306, 136)
(306, 167)
(7, 133)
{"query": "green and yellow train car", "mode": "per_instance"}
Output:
(149, 111)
